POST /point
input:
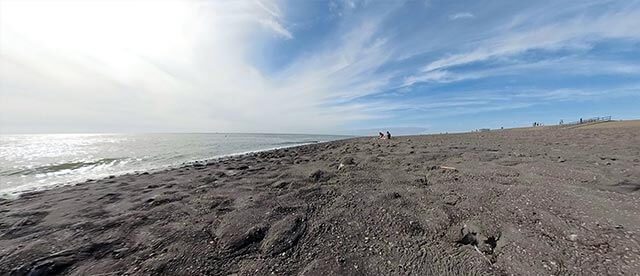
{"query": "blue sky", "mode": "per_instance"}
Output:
(314, 66)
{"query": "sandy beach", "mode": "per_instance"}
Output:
(537, 201)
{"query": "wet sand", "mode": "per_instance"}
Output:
(545, 201)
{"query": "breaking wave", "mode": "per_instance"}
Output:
(70, 166)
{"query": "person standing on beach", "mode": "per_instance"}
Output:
(388, 135)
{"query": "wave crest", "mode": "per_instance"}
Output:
(53, 168)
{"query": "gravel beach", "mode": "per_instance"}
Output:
(533, 201)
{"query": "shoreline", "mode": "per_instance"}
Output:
(10, 194)
(493, 203)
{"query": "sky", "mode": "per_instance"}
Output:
(336, 66)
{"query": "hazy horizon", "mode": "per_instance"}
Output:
(314, 67)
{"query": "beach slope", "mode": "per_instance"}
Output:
(554, 201)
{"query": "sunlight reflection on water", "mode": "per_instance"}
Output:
(37, 161)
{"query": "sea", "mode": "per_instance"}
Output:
(34, 162)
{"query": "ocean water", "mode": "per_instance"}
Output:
(34, 162)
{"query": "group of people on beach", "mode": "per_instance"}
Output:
(382, 136)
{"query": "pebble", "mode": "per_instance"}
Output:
(120, 250)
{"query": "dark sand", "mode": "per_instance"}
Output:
(541, 201)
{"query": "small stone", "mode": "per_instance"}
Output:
(280, 184)
(348, 161)
(573, 237)
(120, 250)
(451, 199)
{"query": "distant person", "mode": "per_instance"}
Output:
(581, 120)
(388, 135)
(380, 135)
(561, 122)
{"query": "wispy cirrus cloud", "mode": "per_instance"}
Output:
(461, 15)
(273, 21)
(575, 32)
(303, 66)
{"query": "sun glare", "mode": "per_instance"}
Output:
(98, 29)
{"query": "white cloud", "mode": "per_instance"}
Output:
(137, 75)
(573, 33)
(573, 66)
(431, 76)
(191, 66)
(205, 82)
(273, 9)
(276, 27)
(461, 15)
(274, 21)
